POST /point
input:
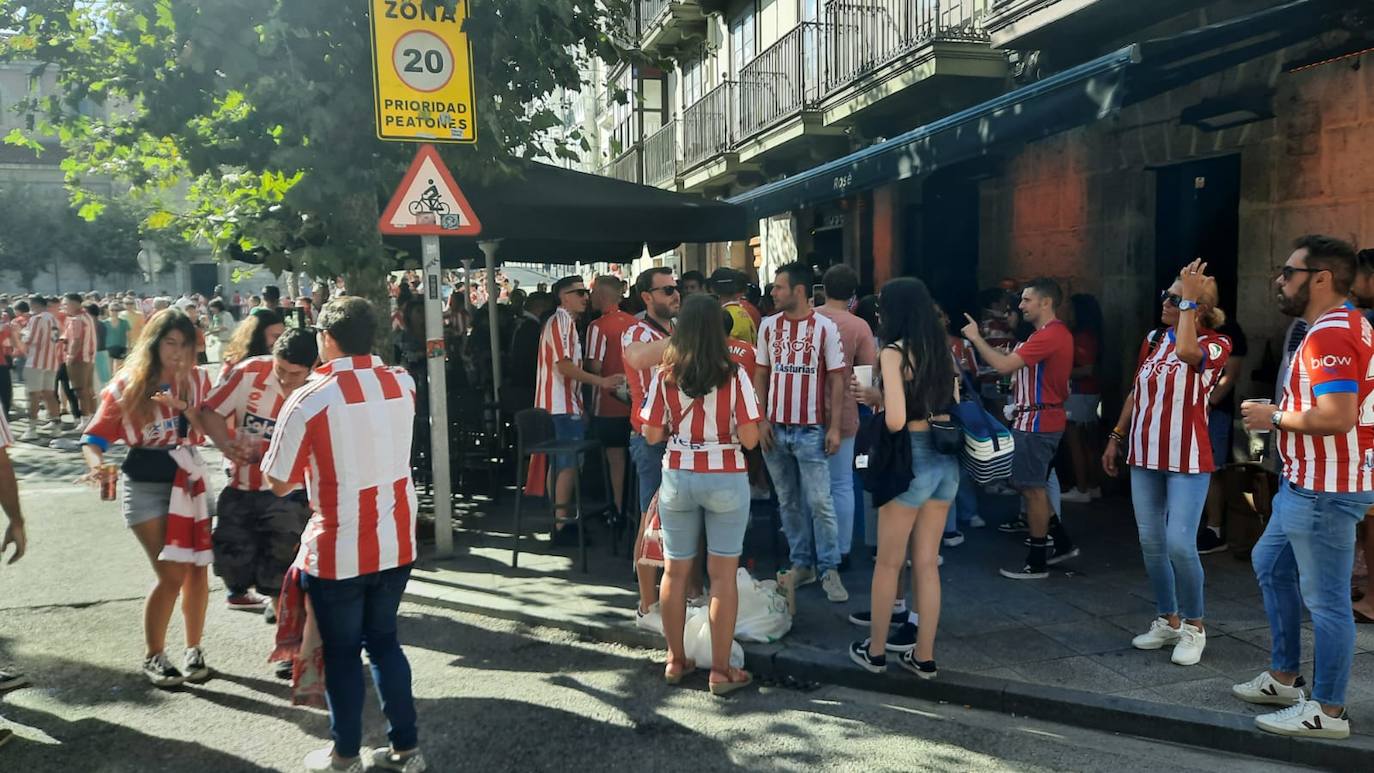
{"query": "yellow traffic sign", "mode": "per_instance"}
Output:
(422, 72)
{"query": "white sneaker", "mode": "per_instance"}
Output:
(834, 589)
(1265, 689)
(51, 428)
(1191, 642)
(384, 759)
(977, 522)
(322, 761)
(1076, 496)
(29, 434)
(82, 425)
(1160, 634)
(1305, 718)
(651, 620)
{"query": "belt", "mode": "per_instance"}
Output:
(1020, 409)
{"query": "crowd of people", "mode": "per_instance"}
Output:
(718, 371)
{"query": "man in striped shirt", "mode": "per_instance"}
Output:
(256, 532)
(1042, 366)
(40, 371)
(800, 382)
(80, 340)
(346, 436)
(558, 391)
(1325, 436)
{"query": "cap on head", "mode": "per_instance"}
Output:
(727, 281)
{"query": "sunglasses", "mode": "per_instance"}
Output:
(1171, 299)
(580, 291)
(668, 291)
(1287, 272)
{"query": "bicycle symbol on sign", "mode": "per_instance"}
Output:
(429, 202)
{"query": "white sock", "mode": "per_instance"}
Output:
(913, 618)
(898, 606)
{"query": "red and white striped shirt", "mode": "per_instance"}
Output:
(1042, 386)
(705, 431)
(798, 353)
(646, 331)
(554, 392)
(249, 396)
(43, 336)
(743, 355)
(605, 344)
(79, 336)
(1336, 356)
(346, 435)
(110, 426)
(1169, 411)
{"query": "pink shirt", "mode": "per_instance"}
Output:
(856, 339)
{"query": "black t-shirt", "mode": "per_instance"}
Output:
(1239, 348)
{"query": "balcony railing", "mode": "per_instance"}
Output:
(708, 126)
(783, 80)
(660, 156)
(863, 35)
(650, 9)
(626, 167)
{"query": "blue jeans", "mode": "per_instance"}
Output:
(1168, 507)
(352, 614)
(965, 506)
(799, 466)
(689, 502)
(648, 462)
(842, 492)
(1305, 557)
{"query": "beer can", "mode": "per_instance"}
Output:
(109, 482)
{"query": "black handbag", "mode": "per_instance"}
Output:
(149, 465)
(946, 436)
(883, 459)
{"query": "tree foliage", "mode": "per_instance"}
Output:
(39, 231)
(248, 123)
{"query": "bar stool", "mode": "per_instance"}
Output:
(535, 435)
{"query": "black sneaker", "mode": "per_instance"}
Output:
(864, 618)
(1017, 526)
(903, 639)
(565, 536)
(1209, 542)
(283, 670)
(922, 668)
(196, 670)
(1026, 572)
(269, 614)
(858, 652)
(161, 672)
(953, 539)
(1057, 553)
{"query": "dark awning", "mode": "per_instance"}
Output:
(1082, 94)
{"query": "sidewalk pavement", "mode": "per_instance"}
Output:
(1056, 649)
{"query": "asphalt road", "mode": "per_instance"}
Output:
(492, 695)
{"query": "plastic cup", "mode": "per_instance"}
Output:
(864, 375)
(1258, 401)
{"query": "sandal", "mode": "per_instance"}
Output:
(675, 670)
(735, 679)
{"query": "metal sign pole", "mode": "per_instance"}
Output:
(438, 399)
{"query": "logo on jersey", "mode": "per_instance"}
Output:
(780, 347)
(1330, 362)
(1214, 351)
(259, 425)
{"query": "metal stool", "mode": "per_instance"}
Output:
(535, 435)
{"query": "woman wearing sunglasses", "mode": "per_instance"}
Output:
(1165, 422)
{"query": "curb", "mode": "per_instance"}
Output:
(1201, 728)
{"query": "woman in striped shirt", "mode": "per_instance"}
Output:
(1165, 421)
(704, 406)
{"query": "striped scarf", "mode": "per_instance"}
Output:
(188, 512)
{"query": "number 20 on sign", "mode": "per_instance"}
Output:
(422, 71)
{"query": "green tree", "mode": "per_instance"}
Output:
(40, 231)
(258, 113)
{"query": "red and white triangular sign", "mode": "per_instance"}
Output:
(429, 202)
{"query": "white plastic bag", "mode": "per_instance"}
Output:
(763, 613)
(696, 639)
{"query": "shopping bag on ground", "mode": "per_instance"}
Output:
(763, 615)
(696, 640)
(651, 546)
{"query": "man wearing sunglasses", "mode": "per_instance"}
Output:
(557, 391)
(1324, 429)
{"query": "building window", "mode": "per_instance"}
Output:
(693, 81)
(744, 38)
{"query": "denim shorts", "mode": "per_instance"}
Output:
(690, 502)
(567, 427)
(936, 474)
(648, 461)
(1030, 463)
(141, 502)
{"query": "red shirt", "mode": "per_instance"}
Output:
(704, 431)
(79, 336)
(645, 331)
(1169, 414)
(43, 337)
(346, 435)
(554, 392)
(1085, 351)
(605, 345)
(798, 353)
(109, 425)
(1042, 386)
(743, 355)
(250, 396)
(1334, 358)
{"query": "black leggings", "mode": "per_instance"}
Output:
(64, 382)
(6, 386)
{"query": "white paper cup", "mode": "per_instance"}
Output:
(1258, 401)
(864, 375)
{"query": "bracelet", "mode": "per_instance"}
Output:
(1117, 436)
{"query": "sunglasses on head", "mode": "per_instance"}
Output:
(1287, 272)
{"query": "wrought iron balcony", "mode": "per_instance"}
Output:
(660, 156)
(709, 125)
(864, 35)
(668, 24)
(626, 167)
(782, 81)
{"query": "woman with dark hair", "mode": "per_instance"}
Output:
(918, 385)
(151, 406)
(254, 337)
(1085, 398)
(705, 407)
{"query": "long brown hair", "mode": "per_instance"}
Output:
(250, 337)
(143, 367)
(697, 360)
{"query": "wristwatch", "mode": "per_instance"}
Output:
(1275, 418)
(1186, 305)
